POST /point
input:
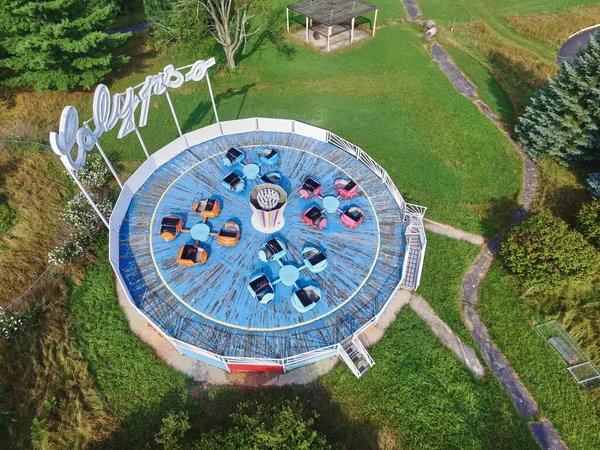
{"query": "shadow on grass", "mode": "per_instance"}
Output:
(499, 215)
(205, 107)
(211, 408)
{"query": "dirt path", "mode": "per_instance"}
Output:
(451, 232)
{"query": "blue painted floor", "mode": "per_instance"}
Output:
(209, 305)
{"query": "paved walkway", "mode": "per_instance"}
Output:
(412, 9)
(544, 432)
(569, 49)
(464, 353)
(451, 232)
(458, 79)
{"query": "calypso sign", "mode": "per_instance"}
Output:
(108, 111)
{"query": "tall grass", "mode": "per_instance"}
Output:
(518, 70)
(560, 398)
(34, 186)
(554, 29)
(41, 368)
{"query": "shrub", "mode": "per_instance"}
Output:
(10, 325)
(7, 217)
(94, 172)
(544, 252)
(588, 221)
(86, 229)
(593, 184)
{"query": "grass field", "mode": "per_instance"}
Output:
(446, 262)
(385, 407)
(559, 397)
(393, 102)
(515, 41)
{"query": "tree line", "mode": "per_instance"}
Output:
(64, 45)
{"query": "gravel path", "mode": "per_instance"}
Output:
(544, 432)
(412, 8)
(458, 79)
(569, 49)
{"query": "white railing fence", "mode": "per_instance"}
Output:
(210, 132)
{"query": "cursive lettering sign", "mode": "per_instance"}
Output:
(108, 110)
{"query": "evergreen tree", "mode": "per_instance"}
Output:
(563, 120)
(57, 44)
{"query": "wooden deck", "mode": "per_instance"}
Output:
(209, 306)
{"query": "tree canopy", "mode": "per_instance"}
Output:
(544, 252)
(563, 120)
(57, 44)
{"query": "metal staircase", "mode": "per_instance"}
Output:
(355, 355)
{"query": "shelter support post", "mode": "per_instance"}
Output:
(307, 29)
(287, 19)
(212, 97)
(88, 196)
(173, 112)
(110, 166)
(352, 31)
(328, 37)
(137, 132)
(375, 22)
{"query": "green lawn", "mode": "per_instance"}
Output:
(425, 398)
(136, 387)
(416, 395)
(560, 398)
(385, 95)
(446, 262)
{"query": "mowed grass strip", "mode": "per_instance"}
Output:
(385, 95)
(559, 397)
(425, 398)
(446, 262)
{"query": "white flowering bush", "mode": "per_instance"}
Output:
(86, 228)
(94, 172)
(10, 325)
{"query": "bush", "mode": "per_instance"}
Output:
(588, 221)
(10, 325)
(593, 184)
(544, 252)
(255, 426)
(7, 217)
(94, 173)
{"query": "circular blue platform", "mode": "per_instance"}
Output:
(209, 306)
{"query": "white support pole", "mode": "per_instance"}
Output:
(328, 37)
(212, 97)
(110, 166)
(88, 197)
(306, 29)
(375, 22)
(173, 111)
(352, 31)
(287, 19)
(141, 141)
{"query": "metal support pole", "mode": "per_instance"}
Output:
(173, 111)
(107, 161)
(307, 29)
(352, 31)
(88, 197)
(141, 141)
(328, 37)
(212, 97)
(287, 18)
(375, 21)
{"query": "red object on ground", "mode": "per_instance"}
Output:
(253, 368)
